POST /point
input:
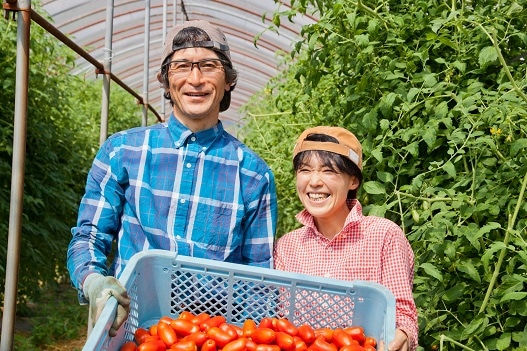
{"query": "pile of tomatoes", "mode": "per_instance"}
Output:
(203, 332)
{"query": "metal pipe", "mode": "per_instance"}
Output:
(108, 54)
(163, 38)
(41, 21)
(17, 175)
(146, 59)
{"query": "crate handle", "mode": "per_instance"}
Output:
(99, 333)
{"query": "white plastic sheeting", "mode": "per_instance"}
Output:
(84, 22)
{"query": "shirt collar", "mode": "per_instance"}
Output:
(180, 133)
(354, 217)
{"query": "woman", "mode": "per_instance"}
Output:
(336, 239)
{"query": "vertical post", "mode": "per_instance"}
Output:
(146, 62)
(174, 13)
(17, 175)
(107, 64)
(163, 38)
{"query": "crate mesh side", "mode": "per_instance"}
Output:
(240, 299)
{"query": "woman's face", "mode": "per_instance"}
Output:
(322, 190)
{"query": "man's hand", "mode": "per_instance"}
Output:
(98, 289)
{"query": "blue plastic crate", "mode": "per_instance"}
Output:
(162, 283)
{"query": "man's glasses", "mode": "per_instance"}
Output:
(184, 67)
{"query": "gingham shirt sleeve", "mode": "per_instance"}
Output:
(398, 273)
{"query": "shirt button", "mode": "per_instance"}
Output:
(203, 148)
(178, 237)
(189, 165)
(182, 201)
(193, 138)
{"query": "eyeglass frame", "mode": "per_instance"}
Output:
(166, 66)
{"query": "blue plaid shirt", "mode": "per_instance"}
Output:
(201, 194)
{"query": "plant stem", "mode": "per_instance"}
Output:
(494, 41)
(503, 251)
(444, 337)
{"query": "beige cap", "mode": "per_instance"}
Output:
(348, 146)
(218, 41)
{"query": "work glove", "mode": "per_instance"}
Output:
(97, 289)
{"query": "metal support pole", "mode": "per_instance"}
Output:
(174, 13)
(163, 38)
(17, 175)
(146, 62)
(106, 79)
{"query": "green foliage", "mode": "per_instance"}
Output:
(436, 93)
(63, 117)
(55, 319)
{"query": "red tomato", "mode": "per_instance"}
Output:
(370, 348)
(352, 347)
(266, 322)
(209, 345)
(140, 335)
(263, 335)
(284, 325)
(184, 345)
(250, 345)
(284, 340)
(198, 337)
(157, 345)
(166, 333)
(229, 329)
(370, 341)
(220, 337)
(236, 345)
(320, 344)
(327, 333)
(238, 329)
(300, 344)
(184, 327)
(307, 333)
(248, 326)
(341, 338)
(128, 346)
(215, 321)
(151, 338)
(153, 330)
(356, 333)
(186, 315)
(267, 347)
(200, 318)
(165, 319)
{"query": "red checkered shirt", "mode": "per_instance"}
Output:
(367, 248)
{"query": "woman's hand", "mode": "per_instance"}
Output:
(400, 342)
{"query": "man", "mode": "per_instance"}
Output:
(185, 185)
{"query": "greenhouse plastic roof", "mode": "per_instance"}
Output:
(85, 22)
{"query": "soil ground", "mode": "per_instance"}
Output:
(51, 306)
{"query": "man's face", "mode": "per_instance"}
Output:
(197, 94)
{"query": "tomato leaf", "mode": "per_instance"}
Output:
(516, 295)
(432, 270)
(374, 188)
(503, 341)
